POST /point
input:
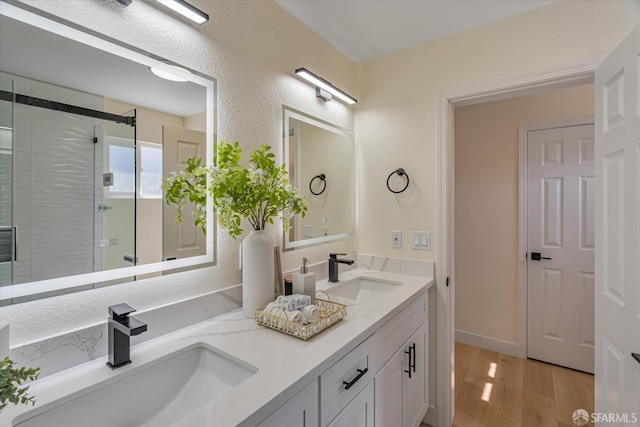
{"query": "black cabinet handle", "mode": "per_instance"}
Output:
(361, 372)
(537, 256)
(413, 362)
(636, 356)
(410, 364)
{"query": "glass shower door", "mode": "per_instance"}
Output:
(115, 190)
(7, 229)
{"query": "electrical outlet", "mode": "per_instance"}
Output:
(396, 239)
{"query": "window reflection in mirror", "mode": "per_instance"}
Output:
(86, 136)
(321, 161)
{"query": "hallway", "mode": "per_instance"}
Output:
(494, 390)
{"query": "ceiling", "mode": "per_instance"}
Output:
(37, 54)
(364, 29)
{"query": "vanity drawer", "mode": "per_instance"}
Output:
(353, 369)
(393, 334)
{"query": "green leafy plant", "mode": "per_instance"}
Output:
(258, 193)
(11, 381)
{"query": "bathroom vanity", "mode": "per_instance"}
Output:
(228, 371)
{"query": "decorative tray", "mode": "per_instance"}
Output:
(330, 313)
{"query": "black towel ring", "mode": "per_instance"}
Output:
(400, 172)
(322, 177)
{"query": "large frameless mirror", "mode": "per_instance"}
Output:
(87, 131)
(320, 158)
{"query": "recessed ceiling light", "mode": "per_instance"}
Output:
(168, 75)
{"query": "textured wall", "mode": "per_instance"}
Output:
(397, 109)
(252, 48)
(487, 218)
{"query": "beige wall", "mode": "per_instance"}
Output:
(322, 151)
(252, 48)
(149, 122)
(486, 204)
(398, 96)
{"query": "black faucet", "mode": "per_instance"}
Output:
(121, 328)
(333, 266)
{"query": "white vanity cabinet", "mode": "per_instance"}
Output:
(359, 412)
(301, 411)
(383, 382)
(342, 382)
(401, 384)
(415, 388)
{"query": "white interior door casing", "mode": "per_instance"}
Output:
(560, 205)
(617, 152)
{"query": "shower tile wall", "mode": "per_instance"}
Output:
(54, 185)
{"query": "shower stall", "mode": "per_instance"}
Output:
(67, 183)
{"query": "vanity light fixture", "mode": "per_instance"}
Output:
(324, 89)
(186, 10)
(167, 75)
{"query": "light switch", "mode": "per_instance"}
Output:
(425, 240)
(396, 239)
(421, 240)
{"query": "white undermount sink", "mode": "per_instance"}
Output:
(363, 288)
(156, 394)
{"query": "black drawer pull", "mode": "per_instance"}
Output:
(409, 366)
(413, 362)
(636, 356)
(361, 372)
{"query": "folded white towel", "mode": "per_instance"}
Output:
(293, 302)
(273, 309)
(311, 313)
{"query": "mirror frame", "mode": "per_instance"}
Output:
(94, 39)
(290, 113)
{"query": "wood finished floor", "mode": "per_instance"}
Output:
(517, 392)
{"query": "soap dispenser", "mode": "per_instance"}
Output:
(305, 282)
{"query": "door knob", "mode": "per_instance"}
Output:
(636, 356)
(536, 256)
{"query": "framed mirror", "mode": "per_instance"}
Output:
(87, 131)
(320, 158)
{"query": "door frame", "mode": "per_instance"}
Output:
(521, 347)
(509, 87)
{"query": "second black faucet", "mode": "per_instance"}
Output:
(333, 266)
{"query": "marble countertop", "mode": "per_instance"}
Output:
(284, 364)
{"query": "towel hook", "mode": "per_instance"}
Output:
(400, 172)
(322, 177)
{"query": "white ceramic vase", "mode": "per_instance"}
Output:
(257, 272)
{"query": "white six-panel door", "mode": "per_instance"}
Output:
(560, 211)
(617, 135)
(181, 240)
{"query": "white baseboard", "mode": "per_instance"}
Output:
(493, 344)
